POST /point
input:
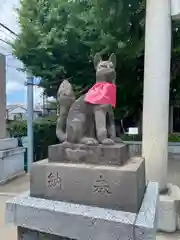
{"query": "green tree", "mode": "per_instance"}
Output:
(59, 38)
(49, 43)
(175, 63)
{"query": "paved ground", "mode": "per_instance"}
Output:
(168, 237)
(8, 232)
(15, 186)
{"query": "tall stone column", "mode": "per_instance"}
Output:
(156, 90)
(2, 97)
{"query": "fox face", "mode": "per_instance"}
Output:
(105, 70)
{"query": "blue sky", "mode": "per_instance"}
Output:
(15, 88)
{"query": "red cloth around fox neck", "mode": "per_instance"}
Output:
(102, 93)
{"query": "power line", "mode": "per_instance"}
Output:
(7, 38)
(15, 67)
(4, 41)
(8, 29)
(8, 34)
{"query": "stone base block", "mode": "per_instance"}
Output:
(113, 187)
(8, 143)
(78, 153)
(80, 222)
(11, 163)
(168, 213)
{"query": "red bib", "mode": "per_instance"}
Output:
(102, 93)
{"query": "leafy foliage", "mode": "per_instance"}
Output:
(59, 38)
(44, 134)
(173, 137)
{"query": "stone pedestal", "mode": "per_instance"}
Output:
(72, 198)
(79, 153)
(11, 159)
(111, 187)
(40, 219)
(169, 210)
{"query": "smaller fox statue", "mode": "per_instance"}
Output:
(89, 119)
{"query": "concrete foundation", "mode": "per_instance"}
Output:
(11, 159)
(8, 143)
(112, 187)
(79, 153)
(169, 210)
(65, 220)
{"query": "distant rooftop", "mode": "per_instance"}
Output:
(11, 107)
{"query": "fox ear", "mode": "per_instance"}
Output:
(97, 60)
(113, 59)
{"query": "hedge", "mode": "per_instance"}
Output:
(174, 137)
(45, 135)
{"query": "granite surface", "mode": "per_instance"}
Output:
(8, 143)
(80, 153)
(146, 222)
(121, 188)
(84, 222)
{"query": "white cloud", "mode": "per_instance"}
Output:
(14, 79)
(14, 86)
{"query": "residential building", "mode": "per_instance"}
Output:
(19, 112)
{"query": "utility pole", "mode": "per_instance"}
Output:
(30, 114)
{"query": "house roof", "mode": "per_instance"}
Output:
(12, 107)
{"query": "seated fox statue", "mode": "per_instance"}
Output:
(89, 119)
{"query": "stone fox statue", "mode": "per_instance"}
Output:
(84, 121)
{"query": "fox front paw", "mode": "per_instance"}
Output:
(107, 141)
(89, 141)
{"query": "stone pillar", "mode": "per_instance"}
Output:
(156, 90)
(2, 97)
